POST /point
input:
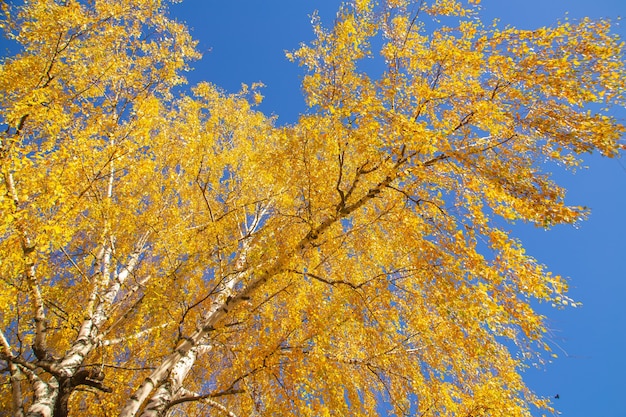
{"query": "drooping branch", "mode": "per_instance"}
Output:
(221, 309)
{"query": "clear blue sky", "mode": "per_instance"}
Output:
(243, 41)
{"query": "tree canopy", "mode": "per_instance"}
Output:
(170, 250)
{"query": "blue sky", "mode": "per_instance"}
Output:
(243, 41)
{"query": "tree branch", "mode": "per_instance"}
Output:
(28, 249)
(328, 281)
(187, 397)
(220, 407)
(16, 386)
(137, 335)
(222, 306)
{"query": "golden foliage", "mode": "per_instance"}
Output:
(186, 249)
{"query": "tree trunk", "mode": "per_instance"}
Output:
(159, 402)
(45, 397)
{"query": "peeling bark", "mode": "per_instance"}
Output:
(159, 402)
(16, 388)
(67, 373)
(45, 397)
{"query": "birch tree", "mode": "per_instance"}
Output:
(172, 251)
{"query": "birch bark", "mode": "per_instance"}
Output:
(165, 393)
(226, 304)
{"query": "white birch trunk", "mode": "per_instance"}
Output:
(39, 345)
(16, 384)
(16, 391)
(166, 392)
(158, 404)
(159, 375)
(89, 336)
(45, 396)
(219, 310)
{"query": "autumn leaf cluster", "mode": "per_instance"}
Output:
(167, 248)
